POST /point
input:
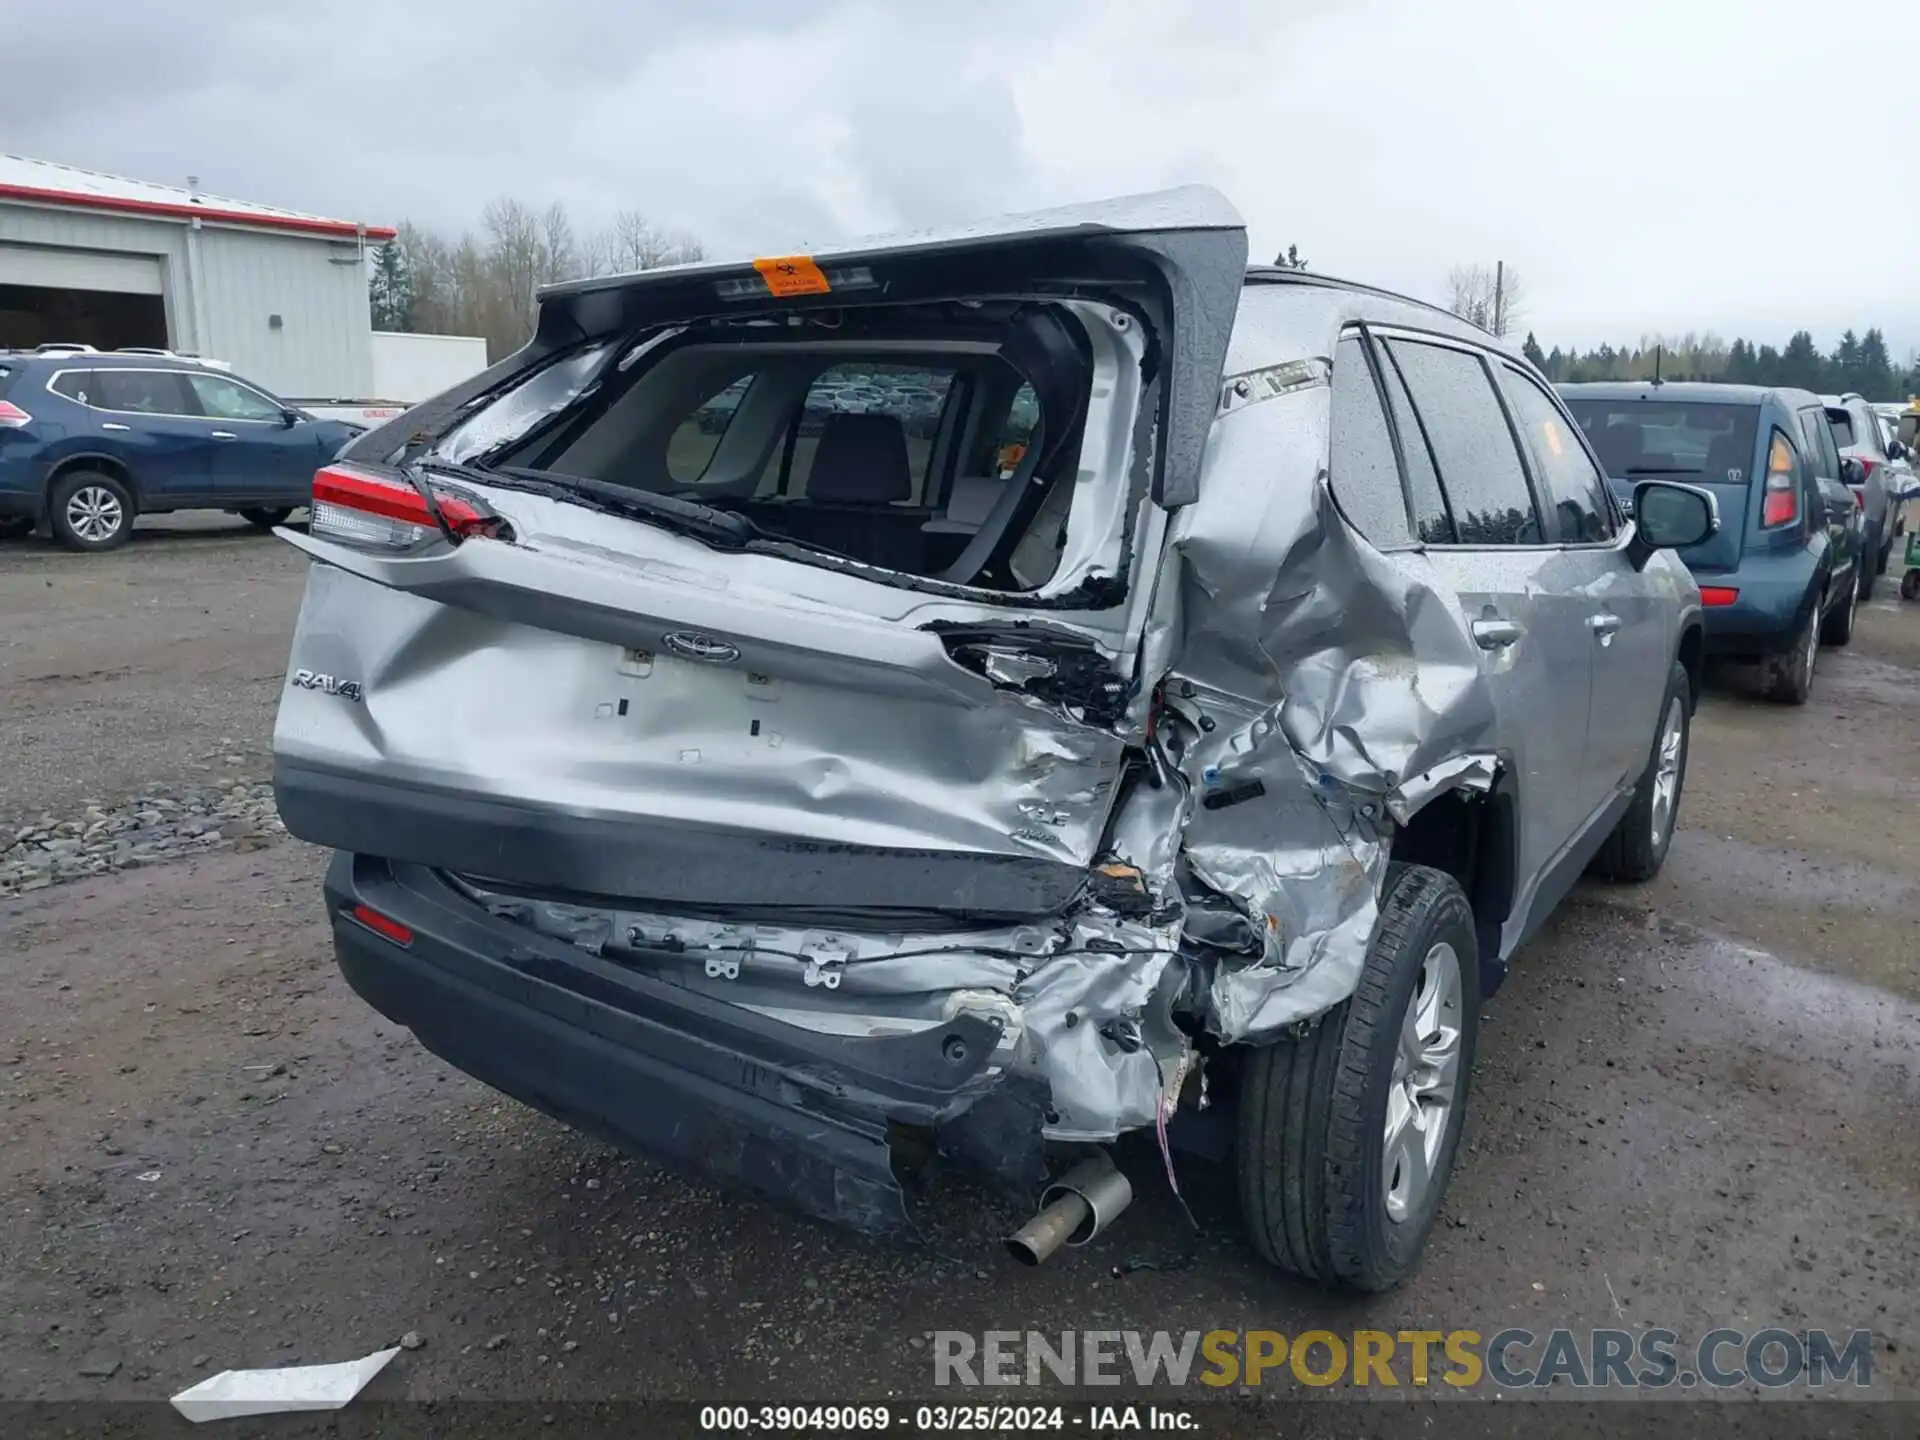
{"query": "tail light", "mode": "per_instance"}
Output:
(12, 417)
(1718, 595)
(1781, 503)
(359, 507)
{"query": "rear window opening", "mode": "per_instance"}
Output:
(1636, 438)
(939, 441)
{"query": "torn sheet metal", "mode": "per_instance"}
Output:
(233, 1394)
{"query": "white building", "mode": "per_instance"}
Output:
(108, 262)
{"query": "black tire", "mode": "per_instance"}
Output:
(1638, 847)
(1837, 629)
(1790, 673)
(1886, 557)
(15, 527)
(263, 519)
(1910, 585)
(1310, 1159)
(1870, 568)
(90, 510)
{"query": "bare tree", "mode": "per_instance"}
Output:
(484, 284)
(1491, 298)
(632, 242)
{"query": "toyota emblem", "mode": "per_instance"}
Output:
(691, 645)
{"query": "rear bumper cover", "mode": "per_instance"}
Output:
(1770, 610)
(706, 1087)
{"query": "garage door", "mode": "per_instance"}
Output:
(54, 269)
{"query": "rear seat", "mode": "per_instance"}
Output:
(860, 473)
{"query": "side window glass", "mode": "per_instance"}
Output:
(143, 392)
(1575, 487)
(74, 384)
(1431, 522)
(691, 447)
(1480, 469)
(223, 400)
(1361, 469)
(1826, 457)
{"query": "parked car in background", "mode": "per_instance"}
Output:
(90, 440)
(1787, 569)
(1857, 431)
(855, 800)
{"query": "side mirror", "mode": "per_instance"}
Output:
(291, 418)
(1896, 451)
(1852, 472)
(1671, 517)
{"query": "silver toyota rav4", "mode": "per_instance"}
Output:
(1180, 735)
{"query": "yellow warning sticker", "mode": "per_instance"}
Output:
(792, 275)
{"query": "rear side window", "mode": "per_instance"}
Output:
(1361, 469)
(1842, 424)
(1431, 522)
(1480, 470)
(690, 448)
(1820, 443)
(74, 384)
(143, 392)
(1575, 489)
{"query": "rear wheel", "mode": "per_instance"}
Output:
(267, 519)
(1910, 585)
(1637, 848)
(1348, 1134)
(90, 510)
(1837, 629)
(1790, 674)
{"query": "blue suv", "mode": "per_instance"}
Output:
(90, 440)
(1784, 574)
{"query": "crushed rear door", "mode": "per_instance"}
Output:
(551, 691)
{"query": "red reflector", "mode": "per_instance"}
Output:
(12, 417)
(394, 500)
(1779, 507)
(1718, 595)
(380, 925)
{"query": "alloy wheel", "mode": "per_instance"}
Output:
(95, 514)
(1425, 1085)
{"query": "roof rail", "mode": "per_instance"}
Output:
(64, 347)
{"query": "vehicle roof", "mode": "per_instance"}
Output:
(1700, 392)
(1421, 314)
(103, 360)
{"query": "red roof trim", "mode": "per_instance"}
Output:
(183, 210)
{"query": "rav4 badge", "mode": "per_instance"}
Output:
(329, 685)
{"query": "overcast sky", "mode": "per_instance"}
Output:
(1742, 166)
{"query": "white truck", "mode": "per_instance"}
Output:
(407, 369)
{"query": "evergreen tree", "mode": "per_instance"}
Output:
(1800, 363)
(1767, 369)
(390, 290)
(1844, 370)
(1875, 368)
(1531, 349)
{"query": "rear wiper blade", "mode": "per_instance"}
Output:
(1664, 470)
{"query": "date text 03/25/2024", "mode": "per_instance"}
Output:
(944, 1419)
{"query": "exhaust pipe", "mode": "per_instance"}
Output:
(1073, 1209)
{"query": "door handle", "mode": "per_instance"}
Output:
(225, 435)
(1495, 634)
(1604, 624)
(114, 425)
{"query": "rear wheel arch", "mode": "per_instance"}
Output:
(1473, 838)
(106, 464)
(1692, 655)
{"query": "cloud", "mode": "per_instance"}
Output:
(1645, 165)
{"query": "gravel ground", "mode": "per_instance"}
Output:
(1694, 1103)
